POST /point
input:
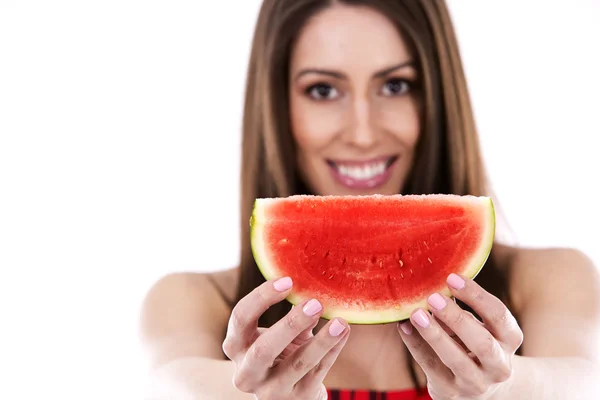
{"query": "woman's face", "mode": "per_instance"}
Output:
(353, 112)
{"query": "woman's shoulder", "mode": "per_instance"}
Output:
(549, 263)
(182, 308)
(533, 271)
(220, 283)
(223, 281)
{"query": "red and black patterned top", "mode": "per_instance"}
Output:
(345, 394)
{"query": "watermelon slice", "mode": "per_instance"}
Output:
(371, 259)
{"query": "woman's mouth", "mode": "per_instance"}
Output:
(366, 174)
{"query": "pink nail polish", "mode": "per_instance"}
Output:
(406, 328)
(335, 329)
(283, 284)
(455, 281)
(312, 307)
(437, 301)
(421, 319)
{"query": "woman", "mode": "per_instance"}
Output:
(362, 97)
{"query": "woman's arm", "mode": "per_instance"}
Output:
(183, 323)
(551, 378)
(559, 295)
(194, 378)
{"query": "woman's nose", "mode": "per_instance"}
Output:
(361, 131)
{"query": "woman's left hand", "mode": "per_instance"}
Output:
(462, 357)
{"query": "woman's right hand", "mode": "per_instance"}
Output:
(285, 361)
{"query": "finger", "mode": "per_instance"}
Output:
(261, 355)
(243, 322)
(428, 360)
(449, 352)
(451, 333)
(473, 334)
(307, 357)
(446, 329)
(496, 316)
(307, 334)
(316, 376)
(302, 338)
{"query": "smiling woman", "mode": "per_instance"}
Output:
(353, 104)
(362, 97)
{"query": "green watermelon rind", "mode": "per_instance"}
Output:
(373, 316)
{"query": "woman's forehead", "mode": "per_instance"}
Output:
(354, 37)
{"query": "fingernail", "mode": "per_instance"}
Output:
(336, 328)
(283, 284)
(421, 319)
(455, 281)
(312, 307)
(406, 328)
(437, 301)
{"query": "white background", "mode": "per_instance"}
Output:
(119, 145)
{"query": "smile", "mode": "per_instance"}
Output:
(362, 174)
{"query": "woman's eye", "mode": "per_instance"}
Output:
(395, 87)
(321, 91)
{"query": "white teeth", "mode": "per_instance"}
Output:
(366, 172)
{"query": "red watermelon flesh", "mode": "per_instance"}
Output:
(371, 259)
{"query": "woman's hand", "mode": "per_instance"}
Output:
(462, 357)
(285, 361)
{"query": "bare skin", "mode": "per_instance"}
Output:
(365, 361)
(352, 99)
(351, 102)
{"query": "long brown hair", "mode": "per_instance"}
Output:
(448, 158)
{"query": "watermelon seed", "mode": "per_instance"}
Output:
(401, 263)
(323, 273)
(401, 275)
(327, 254)
(425, 243)
(330, 277)
(429, 259)
(411, 271)
(380, 264)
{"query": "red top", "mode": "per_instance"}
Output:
(345, 394)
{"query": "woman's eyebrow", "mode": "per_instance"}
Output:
(341, 75)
